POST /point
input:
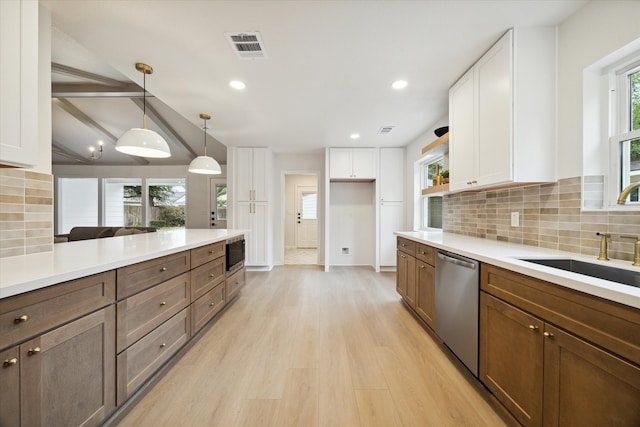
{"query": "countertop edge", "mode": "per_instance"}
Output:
(487, 251)
(73, 260)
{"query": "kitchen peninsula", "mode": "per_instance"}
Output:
(85, 327)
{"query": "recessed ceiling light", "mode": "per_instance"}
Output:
(237, 84)
(354, 136)
(399, 84)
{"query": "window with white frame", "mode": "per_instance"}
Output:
(625, 130)
(430, 204)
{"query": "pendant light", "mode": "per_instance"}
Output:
(205, 164)
(143, 142)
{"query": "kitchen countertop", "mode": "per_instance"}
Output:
(73, 260)
(505, 255)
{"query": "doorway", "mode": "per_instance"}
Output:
(218, 203)
(301, 220)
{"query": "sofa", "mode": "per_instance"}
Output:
(86, 233)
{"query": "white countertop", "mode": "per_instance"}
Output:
(73, 260)
(505, 255)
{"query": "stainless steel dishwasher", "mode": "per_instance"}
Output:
(457, 302)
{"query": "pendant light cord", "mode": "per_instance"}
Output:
(205, 137)
(144, 100)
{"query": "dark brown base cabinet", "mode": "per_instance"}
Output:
(415, 278)
(71, 353)
(546, 375)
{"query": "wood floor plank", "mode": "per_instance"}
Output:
(376, 408)
(299, 403)
(304, 347)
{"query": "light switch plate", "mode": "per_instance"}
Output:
(515, 219)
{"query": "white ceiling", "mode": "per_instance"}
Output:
(329, 68)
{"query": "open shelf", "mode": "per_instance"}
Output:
(439, 146)
(435, 189)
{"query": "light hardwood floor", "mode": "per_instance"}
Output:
(301, 347)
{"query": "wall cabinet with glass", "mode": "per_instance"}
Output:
(502, 114)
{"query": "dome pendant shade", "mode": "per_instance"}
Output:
(144, 143)
(204, 164)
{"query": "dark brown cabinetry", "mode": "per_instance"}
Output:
(426, 293)
(557, 357)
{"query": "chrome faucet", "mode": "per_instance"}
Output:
(622, 198)
(605, 239)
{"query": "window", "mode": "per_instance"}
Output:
(166, 202)
(625, 139)
(77, 203)
(309, 202)
(123, 202)
(221, 201)
(431, 204)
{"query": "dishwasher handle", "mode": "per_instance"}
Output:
(457, 261)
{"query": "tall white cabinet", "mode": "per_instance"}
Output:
(391, 203)
(502, 114)
(250, 187)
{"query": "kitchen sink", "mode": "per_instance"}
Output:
(619, 275)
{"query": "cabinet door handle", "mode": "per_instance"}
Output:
(211, 304)
(163, 345)
(533, 327)
(163, 269)
(163, 303)
(21, 319)
(402, 256)
(422, 266)
(33, 351)
(10, 362)
(548, 334)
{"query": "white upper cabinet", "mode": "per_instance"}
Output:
(18, 83)
(391, 175)
(352, 163)
(252, 174)
(502, 114)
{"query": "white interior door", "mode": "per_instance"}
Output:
(218, 203)
(306, 217)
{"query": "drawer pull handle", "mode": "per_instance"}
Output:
(533, 327)
(163, 345)
(210, 252)
(21, 319)
(163, 269)
(211, 304)
(422, 266)
(163, 303)
(212, 275)
(33, 351)
(548, 334)
(10, 362)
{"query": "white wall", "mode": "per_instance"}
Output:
(590, 34)
(290, 218)
(352, 209)
(295, 163)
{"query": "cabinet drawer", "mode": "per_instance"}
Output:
(407, 246)
(206, 277)
(234, 283)
(141, 313)
(426, 254)
(138, 277)
(137, 363)
(605, 323)
(46, 308)
(207, 253)
(204, 308)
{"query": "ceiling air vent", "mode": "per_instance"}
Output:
(385, 130)
(247, 45)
